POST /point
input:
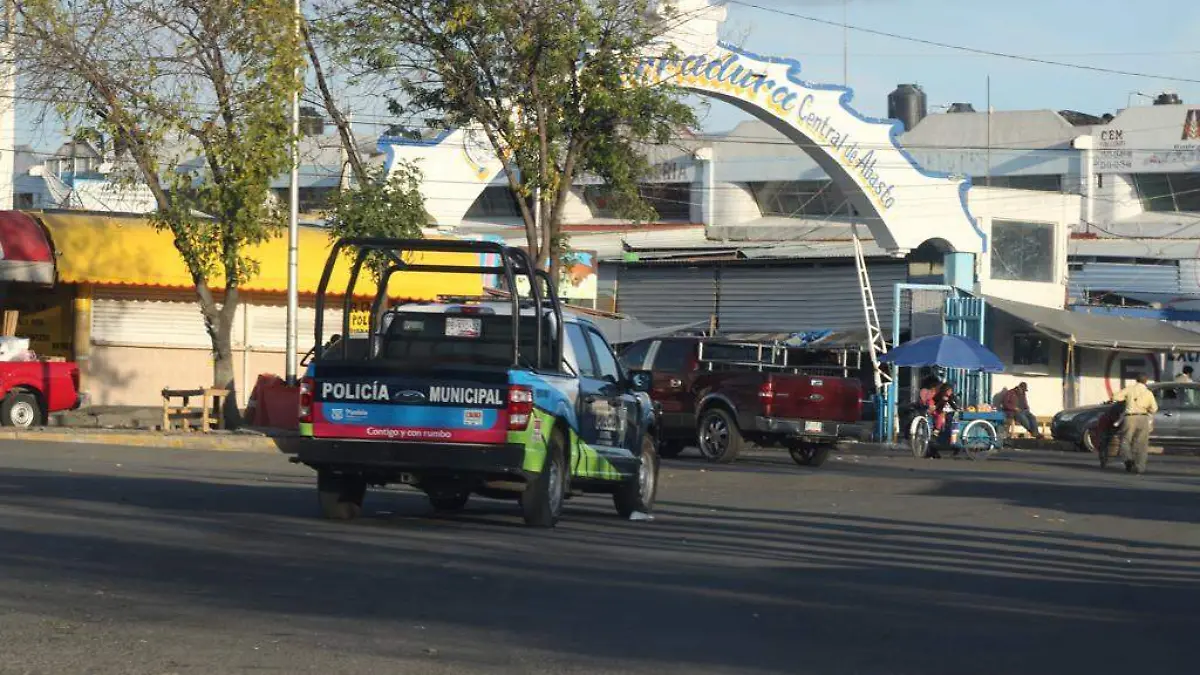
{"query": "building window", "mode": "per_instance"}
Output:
(1031, 349)
(670, 201)
(1022, 251)
(494, 202)
(797, 198)
(1168, 191)
(1050, 182)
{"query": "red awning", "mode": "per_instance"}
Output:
(25, 252)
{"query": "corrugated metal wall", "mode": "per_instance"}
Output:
(660, 295)
(1096, 276)
(771, 298)
(798, 297)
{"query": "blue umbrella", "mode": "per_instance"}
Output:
(948, 351)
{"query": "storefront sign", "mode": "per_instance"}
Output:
(1123, 368)
(46, 317)
(1149, 139)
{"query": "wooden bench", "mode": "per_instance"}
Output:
(1014, 430)
(210, 413)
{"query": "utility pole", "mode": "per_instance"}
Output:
(293, 261)
(8, 108)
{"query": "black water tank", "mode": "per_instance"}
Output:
(960, 108)
(1168, 98)
(907, 104)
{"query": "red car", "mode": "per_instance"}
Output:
(31, 390)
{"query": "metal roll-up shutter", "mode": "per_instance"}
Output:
(267, 327)
(789, 298)
(661, 295)
(1095, 276)
(141, 317)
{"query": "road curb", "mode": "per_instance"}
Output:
(148, 439)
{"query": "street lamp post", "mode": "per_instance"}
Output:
(293, 260)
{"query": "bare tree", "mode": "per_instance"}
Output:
(195, 92)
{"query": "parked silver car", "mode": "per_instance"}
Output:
(1176, 424)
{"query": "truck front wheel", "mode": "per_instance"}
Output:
(636, 495)
(21, 410)
(340, 495)
(719, 438)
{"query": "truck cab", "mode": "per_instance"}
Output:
(507, 398)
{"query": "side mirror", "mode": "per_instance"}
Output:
(641, 381)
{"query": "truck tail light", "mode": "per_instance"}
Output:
(520, 407)
(306, 399)
(766, 394)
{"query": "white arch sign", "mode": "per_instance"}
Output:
(903, 204)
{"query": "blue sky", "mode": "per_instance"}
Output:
(1149, 36)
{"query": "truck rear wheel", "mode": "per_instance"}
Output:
(341, 495)
(542, 500)
(810, 454)
(719, 438)
(637, 494)
(21, 410)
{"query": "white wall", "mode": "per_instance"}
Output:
(1060, 210)
(1045, 382)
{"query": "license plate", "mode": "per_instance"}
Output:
(459, 327)
(813, 427)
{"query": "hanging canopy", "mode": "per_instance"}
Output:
(948, 351)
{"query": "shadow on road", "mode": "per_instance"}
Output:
(743, 589)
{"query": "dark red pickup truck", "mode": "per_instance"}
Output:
(719, 395)
(30, 390)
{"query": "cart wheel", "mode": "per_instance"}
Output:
(919, 434)
(979, 439)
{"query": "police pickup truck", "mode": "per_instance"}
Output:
(503, 399)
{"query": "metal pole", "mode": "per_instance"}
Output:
(293, 260)
(845, 44)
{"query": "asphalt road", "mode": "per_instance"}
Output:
(125, 560)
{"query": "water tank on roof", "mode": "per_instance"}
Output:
(1168, 98)
(907, 104)
(960, 108)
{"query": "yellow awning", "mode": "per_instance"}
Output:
(128, 251)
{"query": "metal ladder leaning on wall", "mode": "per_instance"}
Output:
(876, 344)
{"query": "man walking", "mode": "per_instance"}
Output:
(1140, 406)
(1015, 405)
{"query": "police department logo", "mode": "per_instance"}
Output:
(337, 414)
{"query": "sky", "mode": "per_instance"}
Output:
(1157, 37)
(1147, 36)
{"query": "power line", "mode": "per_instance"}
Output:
(961, 48)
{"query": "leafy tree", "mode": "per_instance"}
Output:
(548, 84)
(196, 92)
(379, 206)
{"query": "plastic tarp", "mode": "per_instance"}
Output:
(629, 329)
(1101, 332)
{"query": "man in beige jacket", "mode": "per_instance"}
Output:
(1140, 406)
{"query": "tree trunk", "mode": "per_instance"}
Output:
(223, 373)
(218, 322)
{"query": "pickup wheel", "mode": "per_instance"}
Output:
(341, 495)
(542, 500)
(637, 495)
(671, 449)
(21, 410)
(810, 454)
(719, 438)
